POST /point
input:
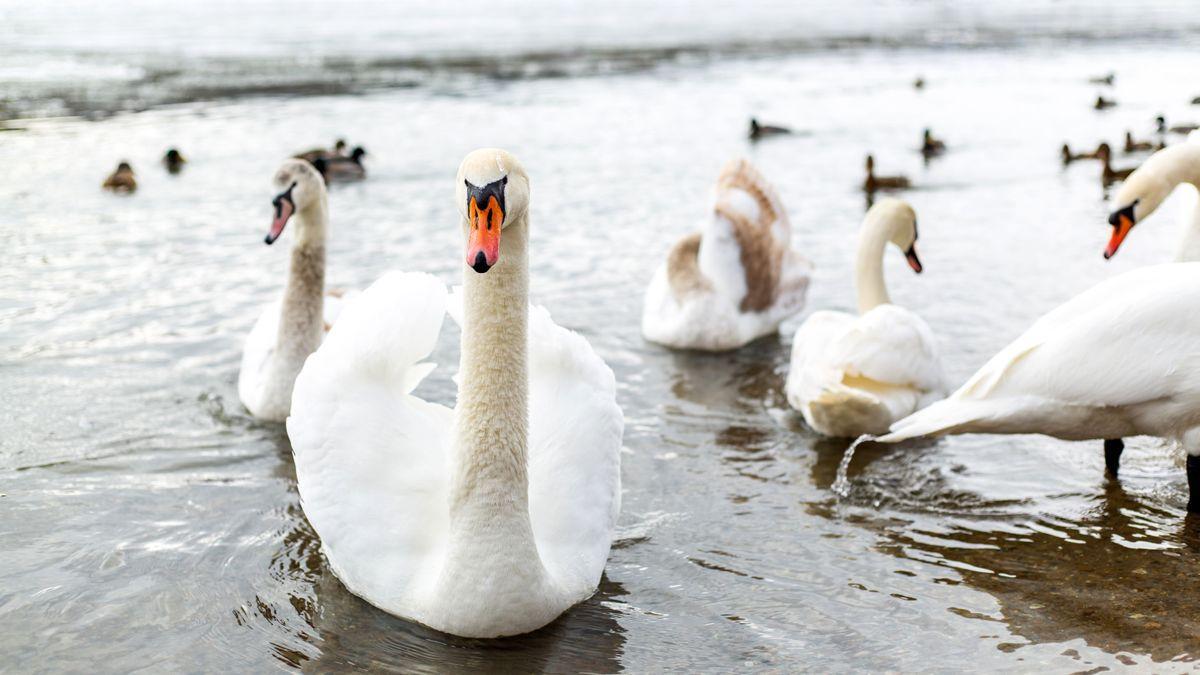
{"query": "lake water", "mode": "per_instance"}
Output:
(146, 521)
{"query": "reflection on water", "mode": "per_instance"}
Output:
(146, 522)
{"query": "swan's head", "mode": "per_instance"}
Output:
(899, 221)
(300, 187)
(492, 192)
(1146, 189)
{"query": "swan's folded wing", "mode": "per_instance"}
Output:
(1126, 341)
(892, 346)
(371, 458)
(575, 453)
(1070, 352)
(812, 371)
(256, 355)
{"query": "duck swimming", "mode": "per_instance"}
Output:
(1109, 175)
(930, 146)
(874, 183)
(760, 131)
(121, 179)
(173, 161)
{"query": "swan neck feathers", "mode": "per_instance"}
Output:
(301, 319)
(490, 484)
(868, 267)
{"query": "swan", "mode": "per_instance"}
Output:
(1120, 359)
(291, 327)
(1147, 187)
(734, 281)
(853, 375)
(495, 517)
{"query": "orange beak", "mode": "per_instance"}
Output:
(1121, 227)
(483, 234)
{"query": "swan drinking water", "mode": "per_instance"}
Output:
(853, 375)
(495, 517)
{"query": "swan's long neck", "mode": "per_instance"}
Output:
(489, 491)
(868, 266)
(1187, 170)
(302, 322)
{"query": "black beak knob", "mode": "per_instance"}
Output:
(481, 265)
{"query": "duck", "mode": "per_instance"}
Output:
(919, 83)
(1068, 156)
(1118, 360)
(735, 280)
(930, 146)
(1107, 79)
(1104, 103)
(291, 327)
(1109, 175)
(857, 374)
(173, 161)
(489, 519)
(1184, 129)
(338, 150)
(1132, 146)
(341, 169)
(874, 183)
(1149, 186)
(760, 131)
(121, 179)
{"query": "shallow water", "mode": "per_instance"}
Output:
(147, 521)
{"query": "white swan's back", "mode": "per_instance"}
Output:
(1120, 359)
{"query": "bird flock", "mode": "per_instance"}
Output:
(496, 515)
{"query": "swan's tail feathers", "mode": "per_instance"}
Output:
(764, 207)
(949, 416)
(1193, 136)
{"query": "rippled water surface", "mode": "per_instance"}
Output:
(146, 521)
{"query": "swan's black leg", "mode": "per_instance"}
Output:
(1193, 474)
(1113, 447)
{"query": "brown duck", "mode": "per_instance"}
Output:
(873, 182)
(1110, 175)
(121, 180)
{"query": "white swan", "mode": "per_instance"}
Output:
(734, 281)
(1120, 359)
(1147, 188)
(853, 375)
(488, 520)
(291, 327)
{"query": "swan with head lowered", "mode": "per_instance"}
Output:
(292, 327)
(495, 517)
(853, 375)
(1120, 359)
(734, 281)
